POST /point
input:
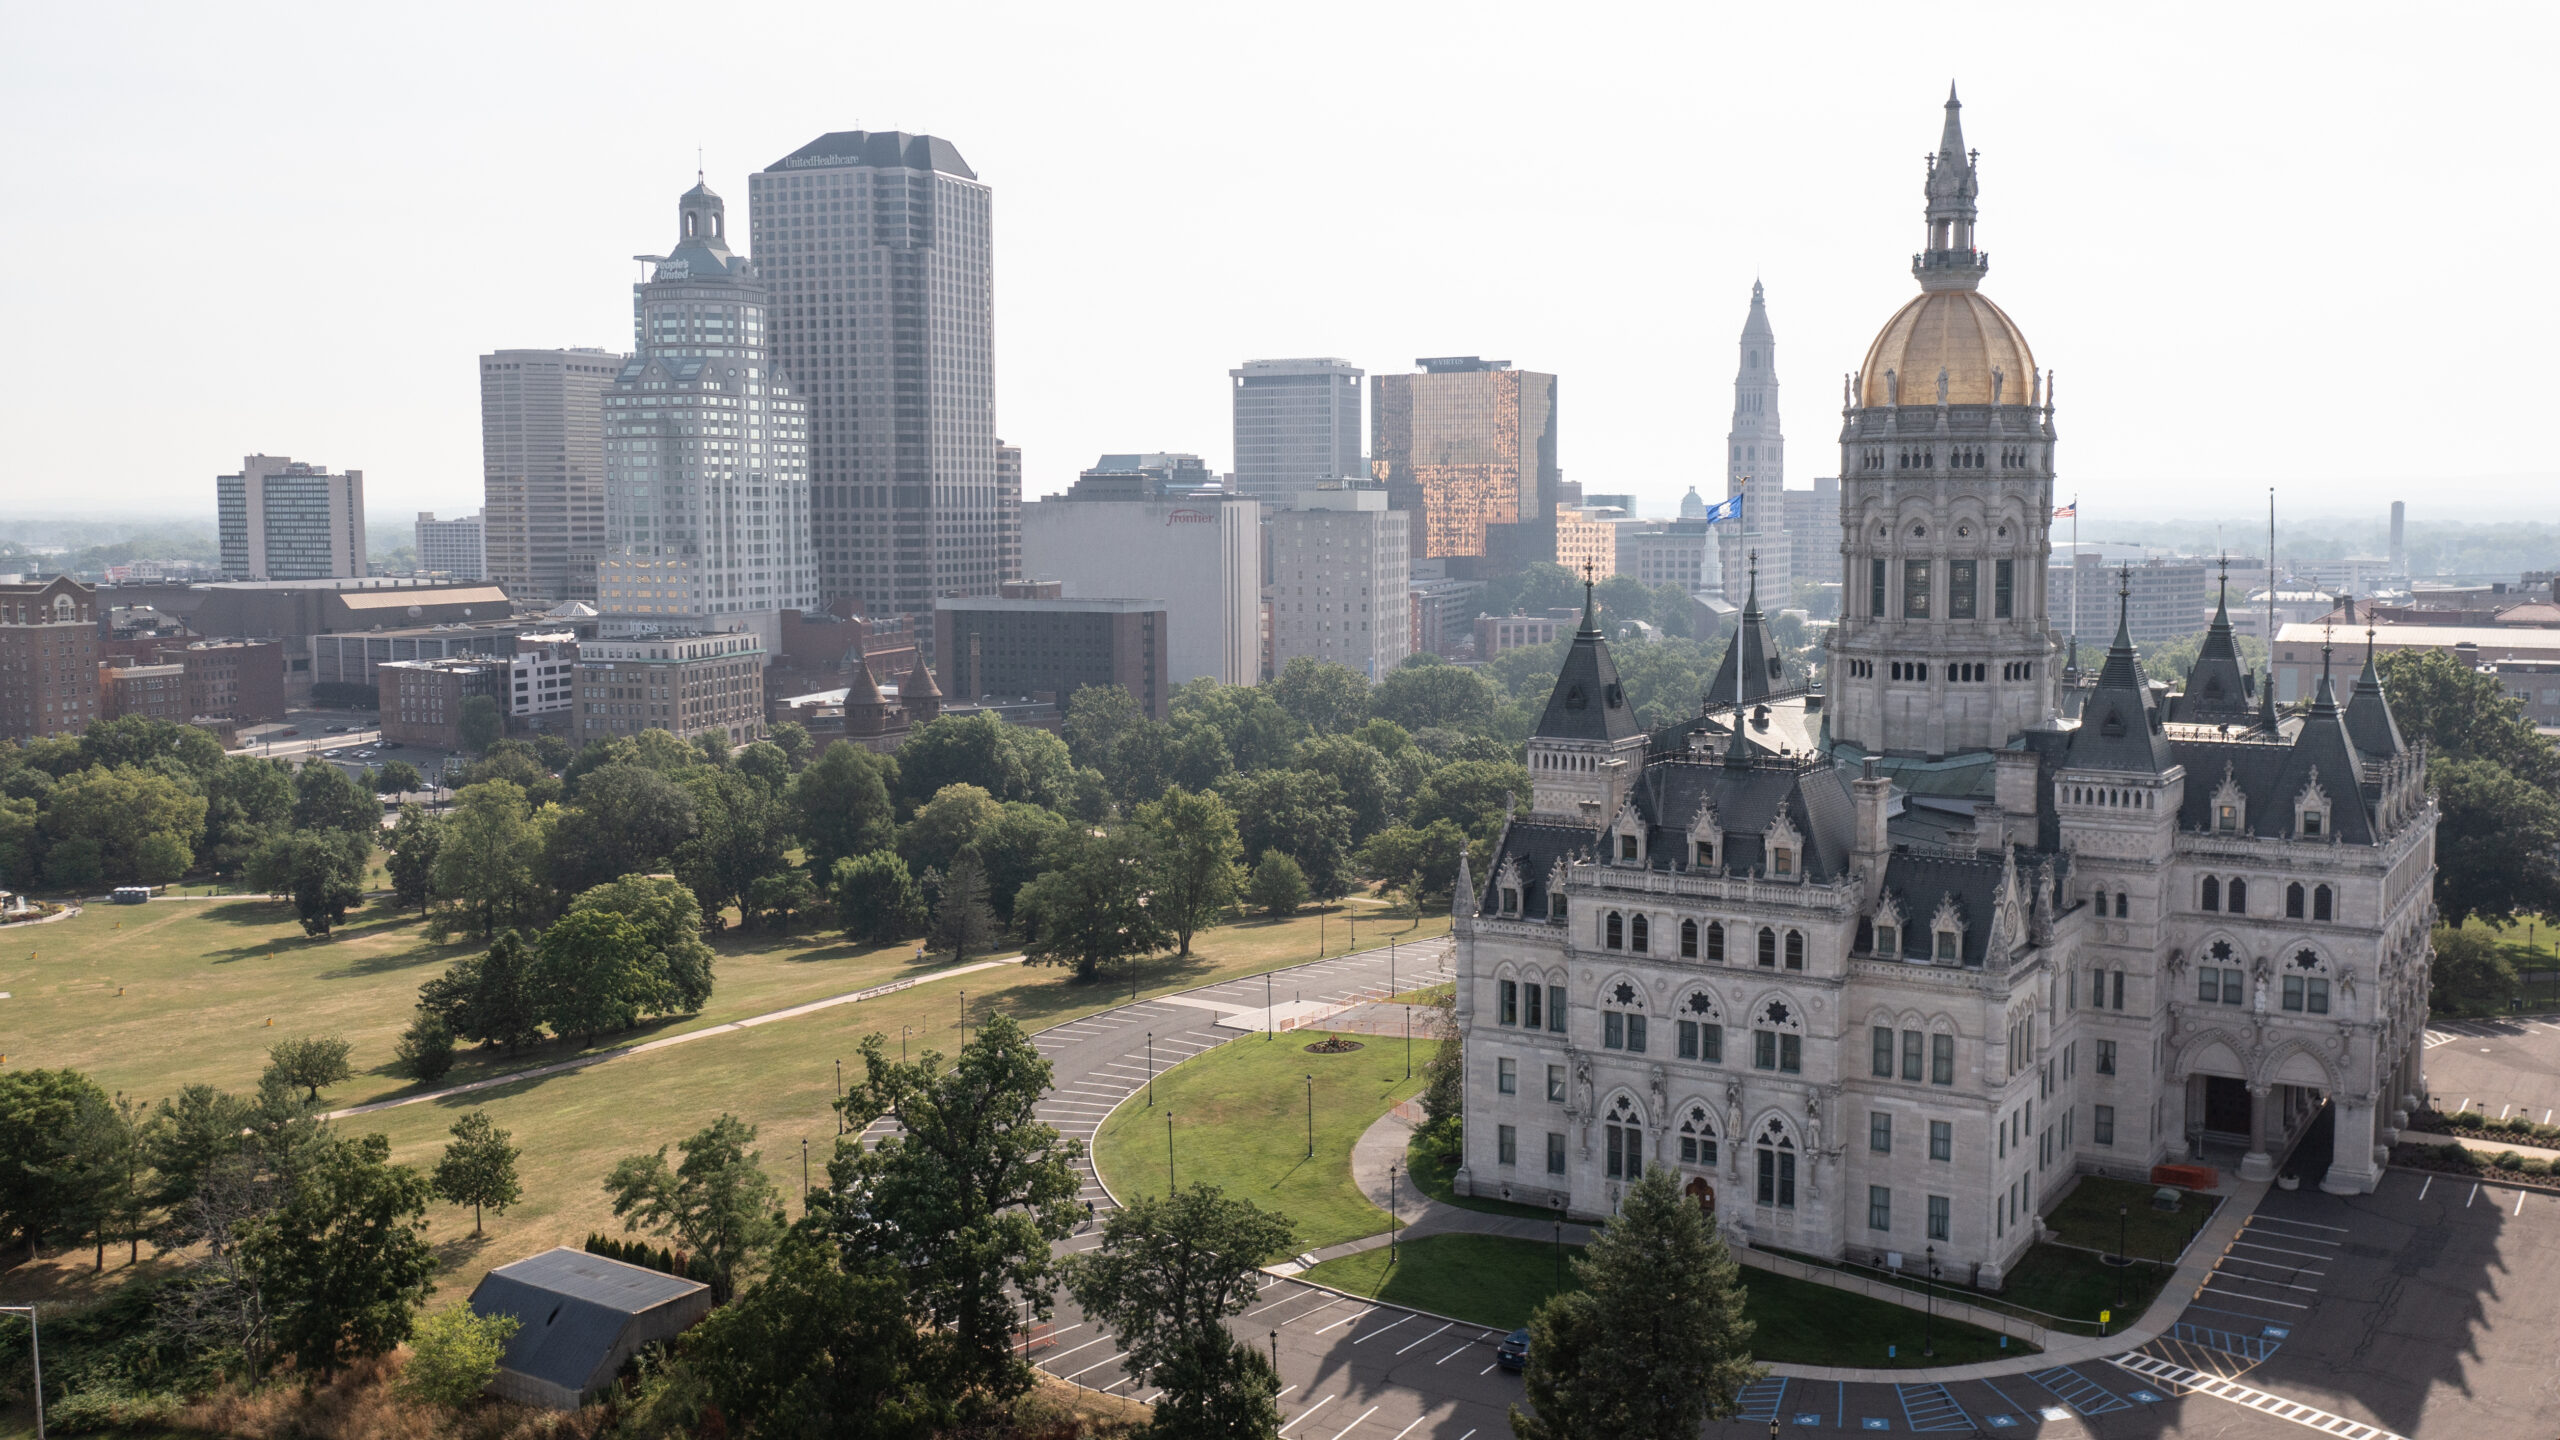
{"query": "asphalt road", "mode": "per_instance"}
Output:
(2498, 1067)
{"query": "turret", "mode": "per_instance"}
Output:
(1950, 261)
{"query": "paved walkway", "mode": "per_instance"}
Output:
(1383, 1144)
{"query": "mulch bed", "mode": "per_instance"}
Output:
(2468, 1163)
(1335, 1046)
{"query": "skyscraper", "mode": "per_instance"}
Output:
(1756, 468)
(1297, 426)
(281, 519)
(706, 478)
(457, 547)
(542, 468)
(877, 246)
(1465, 444)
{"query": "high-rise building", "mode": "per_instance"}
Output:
(878, 249)
(1756, 468)
(1199, 554)
(456, 547)
(49, 650)
(1297, 426)
(542, 469)
(1465, 444)
(281, 519)
(706, 467)
(1339, 589)
(1813, 530)
(1008, 512)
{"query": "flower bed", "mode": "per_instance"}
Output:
(2473, 1125)
(2506, 1167)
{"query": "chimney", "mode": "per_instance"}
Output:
(1869, 793)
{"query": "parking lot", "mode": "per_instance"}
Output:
(2499, 1067)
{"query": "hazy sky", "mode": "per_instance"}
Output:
(2298, 245)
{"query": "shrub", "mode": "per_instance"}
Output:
(2506, 1160)
(99, 1409)
(426, 1048)
(2535, 1167)
(454, 1354)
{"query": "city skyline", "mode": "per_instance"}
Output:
(1105, 331)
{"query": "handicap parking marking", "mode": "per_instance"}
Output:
(2146, 1397)
(1807, 1417)
(1999, 1422)
(1874, 1422)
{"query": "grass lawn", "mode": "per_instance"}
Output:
(1496, 1281)
(2077, 1285)
(2529, 943)
(199, 990)
(1240, 1122)
(1432, 1176)
(2087, 1217)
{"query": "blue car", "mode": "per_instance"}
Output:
(1513, 1353)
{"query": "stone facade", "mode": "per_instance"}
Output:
(1875, 970)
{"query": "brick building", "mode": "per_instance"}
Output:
(237, 680)
(685, 682)
(422, 699)
(48, 658)
(157, 692)
(1030, 643)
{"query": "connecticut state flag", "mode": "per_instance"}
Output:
(1726, 510)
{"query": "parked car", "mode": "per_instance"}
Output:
(391, 745)
(1513, 1353)
(337, 729)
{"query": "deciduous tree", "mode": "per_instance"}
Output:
(818, 1347)
(1170, 1272)
(454, 1354)
(717, 1201)
(841, 804)
(478, 1168)
(310, 1062)
(343, 1262)
(1089, 908)
(486, 863)
(877, 901)
(412, 863)
(1192, 846)
(593, 973)
(1278, 887)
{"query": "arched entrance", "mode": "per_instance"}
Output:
(1704, 1193)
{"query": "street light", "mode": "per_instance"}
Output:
(840, 1092)
(1311, 1117)
(1275, 1354)
(1929, 1306)
(1151, 1069)
(1408, 1042)
(804, 1174)
(1391, 1212)
(1270, 1023)
(1168, 1154)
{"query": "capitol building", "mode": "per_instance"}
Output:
(1888, 964)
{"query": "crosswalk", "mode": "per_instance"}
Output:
(2182, 1380)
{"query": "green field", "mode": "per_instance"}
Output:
(1240, 1122)
(1436, 1178)
(1495, 1281)
(201, 980)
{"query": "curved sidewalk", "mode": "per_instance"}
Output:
(1383, 1145)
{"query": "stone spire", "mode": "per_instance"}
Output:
(2217, 689)
(1462, 896)
(2369, 722)
(1950, 261)
(2118, 728)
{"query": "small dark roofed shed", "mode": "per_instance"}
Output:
(579, 1317)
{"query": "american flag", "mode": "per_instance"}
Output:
(2069, 511)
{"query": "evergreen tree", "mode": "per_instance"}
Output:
(425, 1050)
(1279, 887)
(489, 998)
(961, 920)
(99, 1170)
(342, 1263)
(820, 1348)
(478, 1168)
(1653, 1344)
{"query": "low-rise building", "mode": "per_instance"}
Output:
(685, 682)
(422, 699)
(579, 1318)
(541, 676)
(157, 692)
(48, 658)
(1497, 633)
(1030, 643)
(2298, 657)
(1670, 552)
(239, 681)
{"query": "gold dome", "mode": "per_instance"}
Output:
(1959, 331)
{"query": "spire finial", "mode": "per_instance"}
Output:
(1590, 616)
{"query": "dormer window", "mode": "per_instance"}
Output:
(1706, 853)
(1782, 861)
(1888, 940)
(1950, 944)
(1627, 848)
(1510, 900)
(2314, 822)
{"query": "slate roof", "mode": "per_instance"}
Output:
(1588, 703)
(2219, 691)
(1919, 882)
(1763, 663)
(2369, 722)
(1537, 845)
(572, 1307)
(2119, 729)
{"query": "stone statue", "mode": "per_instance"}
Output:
(1997, 381)
(1892, 388)
(1942, 384)
(2259, 1002)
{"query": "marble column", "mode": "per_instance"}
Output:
(2257, 1164)
(2352, 1168)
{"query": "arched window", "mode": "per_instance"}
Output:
(2239, 896)
(1715, 940)
(1701, 1032)
(1622, 1018)
(1698, 1137)
(1625, 1140)
(2321, 906)
(1614, 932)
(2212, 893)
(1768, 947)
(1640, 932)
(2101, 898)
(1688, 939)
(2120, 905)
(2293, 901)
(1777, 1156)
(1795, 949)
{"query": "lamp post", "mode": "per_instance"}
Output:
(840, 1093)
(1311, 1117)
(1408, 1042)
(1168, 1154)
(1270, 1022)
(1929, 1307)
(2122, 1211)
(1392, 1223)
(1275, 1354)
(1151, 1069)
(1319, 935)
(804, 1174)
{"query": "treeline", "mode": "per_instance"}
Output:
(2497, 786)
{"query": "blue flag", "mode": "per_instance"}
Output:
(1728, 510)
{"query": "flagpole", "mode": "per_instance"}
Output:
(2075, 569)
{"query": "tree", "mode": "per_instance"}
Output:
(98, 819)
(398, 777)
(2463, 714)
(1011, 848)
(717, 1201)
(1192, 842)
(1089, 908)
(965, 1197)
(140, 740)
(2470, 973)
(792, 739)
(343, 1261)
(1098, 718)
(627, 819)
(1170, 1272)
(779, 898)
(954, 819)
(1425, 691)
(1420, 862)
(1470, 794)
(1444, 1083)
(323, 870)
(670, 923)
(21, 845)
(478, 1168)
(877, 901)
(481, 724)
(186, 1137)
(326, 798)
(818, 1347)
(1653, 1344)
(489, 998)
(840, 805)
(1301, 815)
(744, 835)
(1279, 887)
(425, 1049)
(99, 1169)
(1326, 698)
(594, 974)
(310, 1062)
(1368, 782)
(2497, 841)
(486, 860)
(412, 863)
(454, 1354)
(962, 922)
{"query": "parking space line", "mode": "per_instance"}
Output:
(2429, 1185)
(2520, 1202)
(1425, 1339)
(1452, 1355)
(1089, 1369)
(1310, 1410)
(2252, 1299)
(2474, 1195)
(1399, 1435)
(2279, 1250)
(1349, 1319)
(2306, 1224)
(1354, 1425)
(2270, 1264)
(1381, 1330)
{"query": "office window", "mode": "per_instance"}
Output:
(1531, 1014)
(1880, 1132)
(1942, 1059)
(1639, 935)
(1555, 1152)
(1938, 1204)
(1506, 1144)
(1879, 1208)
(1942, 1140)
(2004, 589)
(2106, 1057)
(1911, 1054)
(1701, 1040)
(1960, 589)
(1613, 1030)
(2102, 1124)
(1555, 1084)
(1915, 589)
(1884, 1052)
(1506, 1076)
(1614, 931)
